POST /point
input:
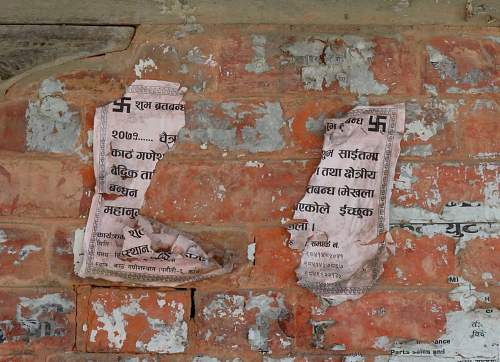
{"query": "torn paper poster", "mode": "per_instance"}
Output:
(130, 136)
(341, 224)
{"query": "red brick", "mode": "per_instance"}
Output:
(480, 129)
(40, 188)
(238, 53)
(192, 61)
(22, 255)
(37, 320)
(392, 63)
(243, 321)
(275, 262)
(431, 129)
(462, 64)
(420, 260)
(100, 357)
(24, 357)
(99, 87)
(137, 320)
(355, 325)
(479, 260)
(13, 125)
(213, 357)
(61, 255)
(307, 121)
(233, 126)
(226, 192)
(432, 186)
(82, 317)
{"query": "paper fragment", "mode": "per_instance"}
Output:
(341, 224)
(130, 136)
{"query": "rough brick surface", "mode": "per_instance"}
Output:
(37, 320)
(137, 320)
(40, 188)
(463, 64)
(356, 325)
(256, 98)
(23, 255)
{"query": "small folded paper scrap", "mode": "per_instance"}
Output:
(130, 136)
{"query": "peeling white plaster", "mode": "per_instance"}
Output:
(282, 359)
(51, 125)
(467, 295)
(224, 305)
(35, 314)
(169, 338)
(269, 308)
(256, 164)
(324, 63)
(405, 178)
(221, 193)
(424, 122)
(353, 359)
(25, 251)
(144, 66)
(382, 342)
(259, 64)
(3, 236)
(251, 252)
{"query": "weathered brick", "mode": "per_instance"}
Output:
(355, 326)
(243, 321)
(295, 59)
(137, 320)
(226, 192)
(249, 62)
(24, 357)
(479, 262)
(275, 262)
(40, 188)
(440, 187)
(61, 254)
(306, 121)
(233, 126)
(479, 129)
(37, 320)
(431, 128)
(101, 357)
(420, 260)
(462, 64)
(23, 255)
(13, 125)
(99, 87)
(191, 61)
(220, 356)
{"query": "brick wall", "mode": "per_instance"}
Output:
(280, 82)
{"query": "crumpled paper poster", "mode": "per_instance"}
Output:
(130, 136)
(342, 223)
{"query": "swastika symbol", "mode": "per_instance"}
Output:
(121, 104)
(376, 123)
